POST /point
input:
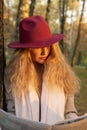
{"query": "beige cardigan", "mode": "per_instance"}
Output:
(54, 105)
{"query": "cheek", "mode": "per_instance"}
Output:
(48, 52)
(34, 56)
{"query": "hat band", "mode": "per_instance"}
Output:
(31, 38)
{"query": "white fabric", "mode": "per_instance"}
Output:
(52, 105)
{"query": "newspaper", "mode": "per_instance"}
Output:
(76, 119)
(11, 122)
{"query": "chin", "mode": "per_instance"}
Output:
(41, 62)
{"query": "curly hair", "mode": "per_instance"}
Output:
(20, 73)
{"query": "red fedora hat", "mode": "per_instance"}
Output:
(34, 32)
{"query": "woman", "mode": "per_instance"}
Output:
(38, 79)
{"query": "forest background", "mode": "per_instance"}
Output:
(63, 16)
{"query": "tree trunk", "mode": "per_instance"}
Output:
(17, 20)
(32, 6)
(73, 60)
(23, 11)
(79, 59)
(62, 10)
(70, 34)
(48, 10)
(2, 59)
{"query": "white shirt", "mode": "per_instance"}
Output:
(52, 105)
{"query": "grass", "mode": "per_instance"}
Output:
(81, 98)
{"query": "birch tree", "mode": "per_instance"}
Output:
(75, 50)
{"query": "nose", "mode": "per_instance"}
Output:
(43, 51)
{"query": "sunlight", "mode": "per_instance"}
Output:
(9, 3)
(44, 2)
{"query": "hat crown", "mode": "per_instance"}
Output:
(33, 29)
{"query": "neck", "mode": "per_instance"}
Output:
(39, 67)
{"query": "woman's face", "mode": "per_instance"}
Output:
(40, 55)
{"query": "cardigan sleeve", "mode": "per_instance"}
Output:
(9, 99)
(70, 109)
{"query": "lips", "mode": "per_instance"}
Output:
(43, 58)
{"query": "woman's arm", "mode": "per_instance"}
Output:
(70, 110)
(9, 99)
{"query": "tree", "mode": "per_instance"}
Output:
(32, 6)
(2, 56)
(48, 10)
(22, 12)
(62, 9)
(17, 19)
(68, 48)
(75, 50)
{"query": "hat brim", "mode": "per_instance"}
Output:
(45, 43)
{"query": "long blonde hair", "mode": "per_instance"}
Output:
(21, 73)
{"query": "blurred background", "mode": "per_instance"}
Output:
(63, 16)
